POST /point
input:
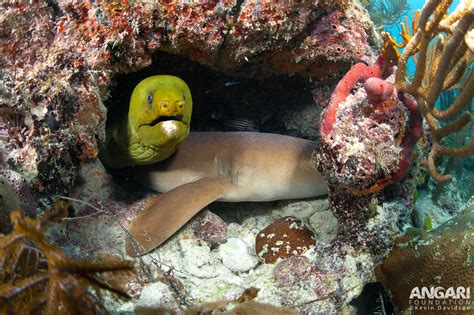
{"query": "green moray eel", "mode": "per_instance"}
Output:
(158, 120)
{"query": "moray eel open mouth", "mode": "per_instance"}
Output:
(165, 118)
(163, 129)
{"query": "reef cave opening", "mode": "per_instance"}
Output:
(279, 104)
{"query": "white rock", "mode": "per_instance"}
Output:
(324, 225)
(469, 39)
(197, 259)
(301, 209)
(157, 295)
(39, 111)
(236, 257)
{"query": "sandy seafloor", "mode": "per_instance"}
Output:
(188, 271)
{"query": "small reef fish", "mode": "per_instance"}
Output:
(230, 83)
(239, 124)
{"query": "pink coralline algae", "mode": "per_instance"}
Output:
(210, 227)
(263, 38)
(367, 132)
(297, 272)
(58, 60)
(337, 38)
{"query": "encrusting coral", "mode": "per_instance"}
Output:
(367, 131)
(283, 238)
(439, 258)
(368, 134)
(452, 61)
(59, 59)
(38, 277)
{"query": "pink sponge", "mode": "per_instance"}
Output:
(358, 73)
(376, 113)
(378, 90)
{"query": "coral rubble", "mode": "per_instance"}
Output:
(192, 268)
(245, 304)
(235, 256)
(210, 227)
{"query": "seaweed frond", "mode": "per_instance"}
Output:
(36, 277)
(387, 12)
(391, 47)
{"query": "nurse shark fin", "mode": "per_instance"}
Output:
(167, 213)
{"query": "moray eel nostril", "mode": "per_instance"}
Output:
(158, 121)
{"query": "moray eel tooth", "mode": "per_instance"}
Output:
(158, 120)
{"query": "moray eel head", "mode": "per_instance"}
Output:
(159, 118)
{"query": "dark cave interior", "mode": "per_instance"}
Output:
(222, 102)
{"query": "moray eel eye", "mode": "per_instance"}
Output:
(149, 98)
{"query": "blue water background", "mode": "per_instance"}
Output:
(395, 30)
